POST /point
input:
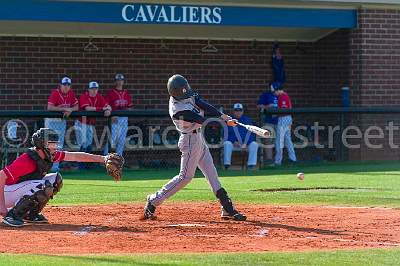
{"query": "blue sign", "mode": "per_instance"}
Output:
(140, 13)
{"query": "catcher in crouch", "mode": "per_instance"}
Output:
(187, 109)
(26, 186)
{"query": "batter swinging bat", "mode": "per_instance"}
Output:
(256, 130)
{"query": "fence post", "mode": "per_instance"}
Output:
(341, 146)
(109, 136)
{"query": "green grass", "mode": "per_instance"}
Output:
(354, 184)
(365, 257)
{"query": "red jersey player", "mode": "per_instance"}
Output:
(283, 129)
(84, 127)
(62, 99)
(26, 184)
(119, 99)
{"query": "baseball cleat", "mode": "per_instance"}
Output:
(38, 219)
(236, 216)
(11, 221)
(149, 211)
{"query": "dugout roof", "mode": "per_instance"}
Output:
(284, 20)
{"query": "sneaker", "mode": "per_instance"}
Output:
(38, 219)
(12, 221)
(149, 211)
(237, 216)
(251, 167)
(226, 166)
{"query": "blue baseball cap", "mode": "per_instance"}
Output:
(276, 85)
(66, 81)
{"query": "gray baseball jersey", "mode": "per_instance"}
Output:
(188, 104)
(195, 153)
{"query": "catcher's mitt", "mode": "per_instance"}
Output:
(114, 163)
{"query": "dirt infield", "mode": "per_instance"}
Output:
(196, 227)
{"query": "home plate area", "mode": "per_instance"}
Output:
(197, 227)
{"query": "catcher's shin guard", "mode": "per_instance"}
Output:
(228, 211)
(58, 184)
(41, 197)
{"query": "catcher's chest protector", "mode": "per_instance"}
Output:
(43, 167)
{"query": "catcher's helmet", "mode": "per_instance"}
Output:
(43, 136)
(178, 87)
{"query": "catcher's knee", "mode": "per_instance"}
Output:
(33, 204)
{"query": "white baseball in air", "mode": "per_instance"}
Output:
(300, 176)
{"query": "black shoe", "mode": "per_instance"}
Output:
(149, 211)
(38, 219)
(237, 216)
(226, 166)
(13, 221)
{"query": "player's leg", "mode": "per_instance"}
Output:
(123, 130)
(78, 133)
(59, 126)
(206, 165)
(90, 135)
(114, 135)
(190, 148)
(252, 157)
(228, 148)
(27, 199)
(35, 215)
(289, 143)
(279, 142)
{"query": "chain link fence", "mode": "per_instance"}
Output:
(148, 139)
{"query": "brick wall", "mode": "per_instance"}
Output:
(31, 67)
(367, 59)
(374, 75)
(331, 68)
(375, 49)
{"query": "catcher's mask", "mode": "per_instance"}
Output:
(179, 88)
(42, 138)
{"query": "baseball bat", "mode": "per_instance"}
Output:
(256, 130)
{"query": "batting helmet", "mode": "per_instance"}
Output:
(178, 87)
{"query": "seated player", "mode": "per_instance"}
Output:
(240, 137)
(26, 184)
(186, 109)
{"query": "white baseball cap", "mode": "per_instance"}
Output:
(93, 84)
(66, 81)
(119, 77)
(238, 106)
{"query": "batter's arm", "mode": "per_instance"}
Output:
(189, 116)
(208, 108)
(3, 209)
(83, 157)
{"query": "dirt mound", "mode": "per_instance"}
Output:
(196, 227)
